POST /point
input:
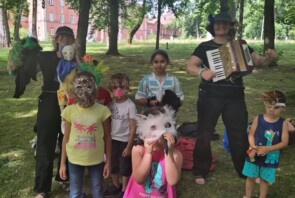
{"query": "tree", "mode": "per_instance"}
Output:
(83, 23)
(133, 16)
(269, 25)
(113, 28)
(241, 17)
(34, 19)
(4, 28)
(158, 23)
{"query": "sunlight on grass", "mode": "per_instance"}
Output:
(26, 115)
(179, 72)
(12, 158)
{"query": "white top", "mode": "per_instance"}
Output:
(121, 114)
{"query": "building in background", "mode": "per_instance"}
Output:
(57, 13)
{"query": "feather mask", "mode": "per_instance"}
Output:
(152, 126)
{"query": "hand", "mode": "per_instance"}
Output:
(106, 170)
(148, 146)
(63, 172)
(126, 152)
(252, 153)
(170, 140)
(153, 103)
(208, 75)
(262, 150)
(270, 55)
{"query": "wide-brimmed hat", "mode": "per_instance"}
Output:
(64, 30)
(223, 16)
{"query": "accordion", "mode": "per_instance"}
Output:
(230, 59)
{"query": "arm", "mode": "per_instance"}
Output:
(65, 140)
(251, 138)
(141, 163)
(263, 150)
(108, 146)
(173, 161)
(262, 61)
(193, 68)
(132, 129)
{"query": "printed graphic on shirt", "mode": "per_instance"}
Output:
(117, 115)
(85, 128)
(154, 180)
(272, 157)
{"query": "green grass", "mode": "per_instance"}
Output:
(18, 118)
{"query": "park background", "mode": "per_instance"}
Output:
(262, 23)
(18, 117)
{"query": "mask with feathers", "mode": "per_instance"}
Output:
(155, 122)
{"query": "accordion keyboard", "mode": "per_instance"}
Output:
(215, 64)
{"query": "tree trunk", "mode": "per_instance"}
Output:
(34, 19)
(17, 23)
(83, 25)
(4, 29)
(224, 6)
(137, 26)
(269, 25)
(114, 28)
(159, 23)
(240, 30)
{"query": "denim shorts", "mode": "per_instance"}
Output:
(254, 171)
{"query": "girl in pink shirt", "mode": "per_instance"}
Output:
(155, 170)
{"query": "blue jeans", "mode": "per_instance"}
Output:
(95, 174)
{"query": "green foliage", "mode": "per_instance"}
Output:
(22, 33)
(18, 117)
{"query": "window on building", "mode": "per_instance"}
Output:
(72, 19)
(62, 18)
(62, 2)
(51, 32)
(51, 2)
(51, 16)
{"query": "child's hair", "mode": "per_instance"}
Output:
(119, 80)
(273, 97)
(84, 89)
(157, 110)
(160, 52)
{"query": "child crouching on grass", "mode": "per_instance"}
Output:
(87, 136)
(268, 134)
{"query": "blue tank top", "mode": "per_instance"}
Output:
(268, 134)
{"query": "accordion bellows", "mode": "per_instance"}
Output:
(230, 59)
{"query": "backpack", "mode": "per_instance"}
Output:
(186, 147)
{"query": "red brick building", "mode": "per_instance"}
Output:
(56, 13)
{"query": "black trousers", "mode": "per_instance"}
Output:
(48, 128)
(235, 118)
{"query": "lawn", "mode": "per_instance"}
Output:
(18, 118)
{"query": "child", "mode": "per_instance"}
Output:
(87, 135)
(156, 168)
(123, 133)
(268, 134)
(152, 87)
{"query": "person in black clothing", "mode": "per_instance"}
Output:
(225, 98)
(48, 116)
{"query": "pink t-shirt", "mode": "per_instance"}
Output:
(155, 185)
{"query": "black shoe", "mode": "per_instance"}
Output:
(112, 190)
(214, 136)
